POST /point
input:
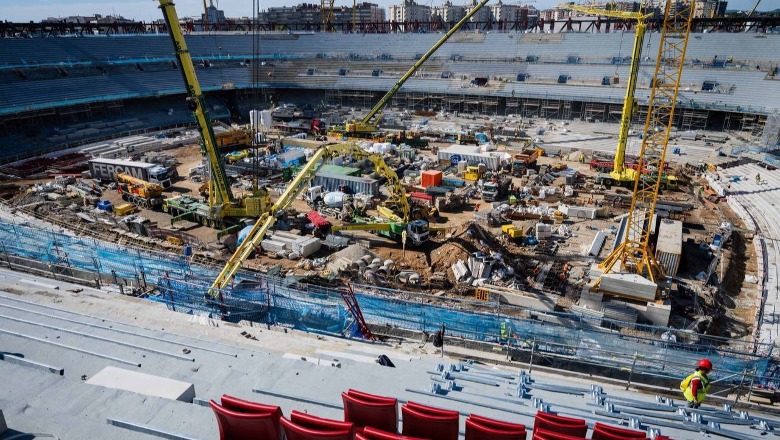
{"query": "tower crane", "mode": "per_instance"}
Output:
(635, 254)
(621, 174)
(221, 201)
(367, 127)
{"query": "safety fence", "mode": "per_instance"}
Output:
(185, 287)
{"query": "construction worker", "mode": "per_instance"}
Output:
(695, 386)
(758, 178)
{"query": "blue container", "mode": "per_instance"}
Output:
(188, 251)
(105, 205)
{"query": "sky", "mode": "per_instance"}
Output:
(146, 10)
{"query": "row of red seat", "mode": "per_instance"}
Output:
(371, 417)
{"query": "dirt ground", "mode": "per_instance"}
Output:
(725, 305)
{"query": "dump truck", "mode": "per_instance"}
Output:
(524, 160)
(494, 191)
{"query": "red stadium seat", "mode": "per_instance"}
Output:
(497, 424)
(370, 397)
(429, 422)
(375, 434)
(477, 431)
(234, 425)
(319, 423)
(602, 431)
(546, 434)
(380, 413)
(294, 431)
(247, 406)
(559, 424)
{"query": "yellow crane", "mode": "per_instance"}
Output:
(621, 174)
(221, 201)
(367, 127)
(635, 254)
(396, 201)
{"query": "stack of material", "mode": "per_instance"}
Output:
(629, 285)
(597, 244)
(669, 247)
(351, 256)
(581, 212)
(286, 243)
(619, 312)
(460, 270)
(543, 231)
(480, 266)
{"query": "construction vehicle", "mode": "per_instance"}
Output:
(223, 207)
(367, 128)
(452, 201)
(467, 139)
(410, 139)
(472, 173)
(635, 253)
(232, 138)
(621, 174)
(139, 192)
(524, 160)
(496, 190)
(396, 209)
(416, 231)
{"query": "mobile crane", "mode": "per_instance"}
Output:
(139, 192)
(222, 204)
(416, 230)
(367, 127)
(635, 254)
(622, 174)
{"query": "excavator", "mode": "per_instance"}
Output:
(621, 174)
(223, 206)
(367, 128)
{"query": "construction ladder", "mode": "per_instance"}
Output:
(348, 295)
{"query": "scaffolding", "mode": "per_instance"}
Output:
(693, 119)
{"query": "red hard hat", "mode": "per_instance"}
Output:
(706, 364)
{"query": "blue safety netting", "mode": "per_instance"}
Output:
(185, 287)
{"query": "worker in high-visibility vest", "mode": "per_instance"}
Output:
(695, 386)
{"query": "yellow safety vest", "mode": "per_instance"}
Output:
(705, 386)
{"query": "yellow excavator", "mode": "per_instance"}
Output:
(367, 127)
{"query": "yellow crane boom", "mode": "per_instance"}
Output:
(369, 123)
(222, 203)
(634, 253)
(397, 199)
(619, 171)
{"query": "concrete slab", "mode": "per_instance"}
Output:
(120, 379)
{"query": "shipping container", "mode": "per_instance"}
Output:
(105, 169)
(472, 155)
(431, 178)
(332, 182)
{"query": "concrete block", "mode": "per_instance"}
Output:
(629, 285)
(141, 383)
